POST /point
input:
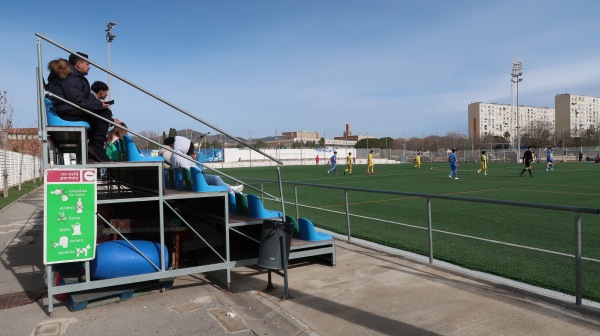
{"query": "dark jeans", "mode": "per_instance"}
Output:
(98, 128)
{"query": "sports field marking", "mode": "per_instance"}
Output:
(452, 233)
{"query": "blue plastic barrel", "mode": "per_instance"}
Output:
(116, 258)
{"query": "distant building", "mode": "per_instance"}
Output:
(22, 140)
(287, 139)
(575, 113)
(497, 119)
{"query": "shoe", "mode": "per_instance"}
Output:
(450, 176)
(484, 174)
(478, 172)
(328, 172)
(456, 178)
(520, 174)
(98, 156)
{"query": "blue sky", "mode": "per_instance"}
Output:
(401, 68)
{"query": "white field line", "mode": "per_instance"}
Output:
(450, 233)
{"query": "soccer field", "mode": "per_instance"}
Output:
(536, 246)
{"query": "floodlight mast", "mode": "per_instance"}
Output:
(517, 72)
(109, 38)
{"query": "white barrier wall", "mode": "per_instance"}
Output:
(13, 161)
(235, 157)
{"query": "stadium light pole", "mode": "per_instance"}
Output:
(517, 72)
(109, 38)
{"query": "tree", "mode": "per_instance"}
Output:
(322, 142)
(537, 135)
(6, 116)
(172, 132)
(260, 144)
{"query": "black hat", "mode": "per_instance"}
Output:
(169, 141)
(73, 58)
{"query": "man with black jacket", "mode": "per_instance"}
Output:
(70, 83)
(527, 159)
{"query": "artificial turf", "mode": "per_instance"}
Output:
(473, 235)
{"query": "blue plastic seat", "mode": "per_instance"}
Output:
(52, 119)
(177, 179)
(256, 208)
(199, 183)
(232, 206)
(308, 231)
(132, 154)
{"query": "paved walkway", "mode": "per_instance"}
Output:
(369, 292)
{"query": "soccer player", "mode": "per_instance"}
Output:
(333, 160)
(348, 164)
(453, 159)
(527, 158)
(483, 164)
(417, 161)
(550, 159)
(370, 166)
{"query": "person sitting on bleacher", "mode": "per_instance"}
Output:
(111, 149)
(67, 80)
(185, 146)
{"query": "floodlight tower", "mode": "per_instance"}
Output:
(109, 38)
(517, 72)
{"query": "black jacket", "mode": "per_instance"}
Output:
(67, 82)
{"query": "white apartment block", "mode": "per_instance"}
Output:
(575, 113)
(497, 119)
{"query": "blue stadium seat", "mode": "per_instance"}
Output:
(308, 231)
(199, 183)
(52, 119)
(256, 208)
(132, 154)
(232, 206)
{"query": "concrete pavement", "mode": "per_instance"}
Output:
(370, 292)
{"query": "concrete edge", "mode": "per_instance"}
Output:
(588, 307)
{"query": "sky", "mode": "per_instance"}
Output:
(258, 68)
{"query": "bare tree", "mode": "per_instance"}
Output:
(538, 135)
(6, 115)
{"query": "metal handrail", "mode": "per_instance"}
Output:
(206, 123)
(576, 210)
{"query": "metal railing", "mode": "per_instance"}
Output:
(162, 272)
(576, 211)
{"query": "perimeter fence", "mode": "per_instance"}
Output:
(19, 167)
(451, 232)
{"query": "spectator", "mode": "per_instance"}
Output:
(67, 80)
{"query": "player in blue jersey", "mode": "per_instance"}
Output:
(453, 159)
(550, 159)
(333, 161)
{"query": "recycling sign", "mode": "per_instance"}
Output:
(69, 215)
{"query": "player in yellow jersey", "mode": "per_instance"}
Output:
(483, 164)
(370, 166)
(348, 164)
(417, 161)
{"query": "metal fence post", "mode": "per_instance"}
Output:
(430, 230)
(347, 214)
(262, 192)
(296, 200)
(578, 284)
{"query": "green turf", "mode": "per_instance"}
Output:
(14, 194)
(573, 184)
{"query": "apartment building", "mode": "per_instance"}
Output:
(497, 119)
(575, 113)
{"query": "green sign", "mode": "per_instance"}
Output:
(69, 215)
